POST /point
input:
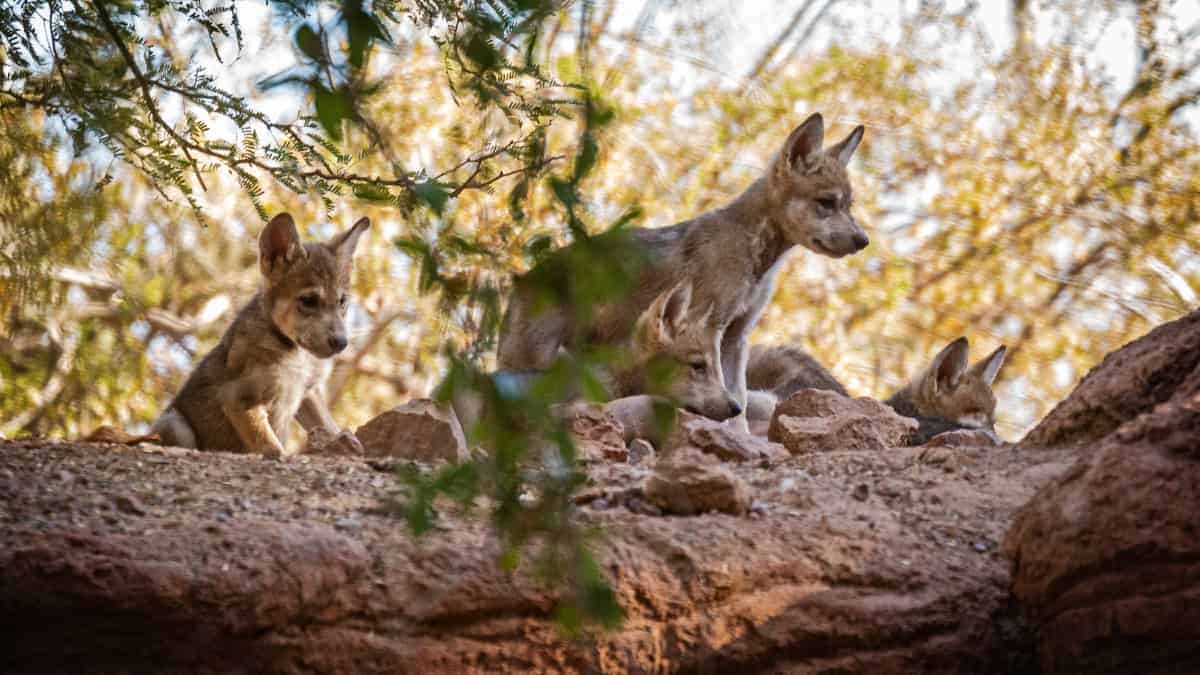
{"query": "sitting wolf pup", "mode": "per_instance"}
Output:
(946, 396)
(272, 363)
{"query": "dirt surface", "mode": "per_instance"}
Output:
(171, 560)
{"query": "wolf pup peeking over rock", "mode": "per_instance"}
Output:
(948, 395)
(272, 363)
(730, 255)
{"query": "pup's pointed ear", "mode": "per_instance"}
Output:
(674, 315)
(345, 243)
(802, 149)
(279, 246)
(662, 321)
(845, 150)
(990, 367)
(949, 365)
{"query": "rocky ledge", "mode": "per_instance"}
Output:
(1074, 556)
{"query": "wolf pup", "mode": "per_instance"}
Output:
(667, 338)
(804, 199)
(945, 396)
(950, 395)
(272, 363)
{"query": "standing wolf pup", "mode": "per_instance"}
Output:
(804, 199)
(272, 363)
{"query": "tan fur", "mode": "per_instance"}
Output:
(785, 369)
(944, 396)
(272, 362)
(730, 256)
(667, 340)
(950, 390)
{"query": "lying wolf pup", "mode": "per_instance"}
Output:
(272, 363)
(946, 396)
(667, 338)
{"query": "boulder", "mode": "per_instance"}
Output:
(1106, 558)
(1127, 383)
(689, 482)
(815, 420)
(720, 440)
(418, 430)
(236, 564)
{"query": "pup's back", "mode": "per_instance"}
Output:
(785, 369)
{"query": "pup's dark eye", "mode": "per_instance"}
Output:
(309, 301)
(343, 300)
(698, 366)
(827, 203)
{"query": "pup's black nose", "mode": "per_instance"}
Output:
(860, 241)
(337, 343)
(734, 408)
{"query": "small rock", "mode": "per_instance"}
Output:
(348, 524)
(720, 440)
(981, 547)
(598, 435)
(418, 430)
(813, 420)
(690, 482)
(641, 451)
(861, 492)
(960, 438)
(130, 505)
(638, 505)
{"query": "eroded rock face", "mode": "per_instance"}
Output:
(1106, 559)
(813, 420)
(689, 482)
(1129, 382)
(231, 563)
(419, 430)
(720, 440)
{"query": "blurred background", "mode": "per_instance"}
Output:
(1030, 176)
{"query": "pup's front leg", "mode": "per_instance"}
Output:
(735, 354)
(321, 428)
(253, 426)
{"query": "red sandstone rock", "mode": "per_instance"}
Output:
(1129, 382)
(813, 420)
(689, 482)
(962, 438)
(418, 430)
(1106, 558)
(720, 440)
(598, 435)
(242, 565)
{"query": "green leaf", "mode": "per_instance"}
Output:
(332, 109)
(480, 50)
(434, 194)
(309, 43)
